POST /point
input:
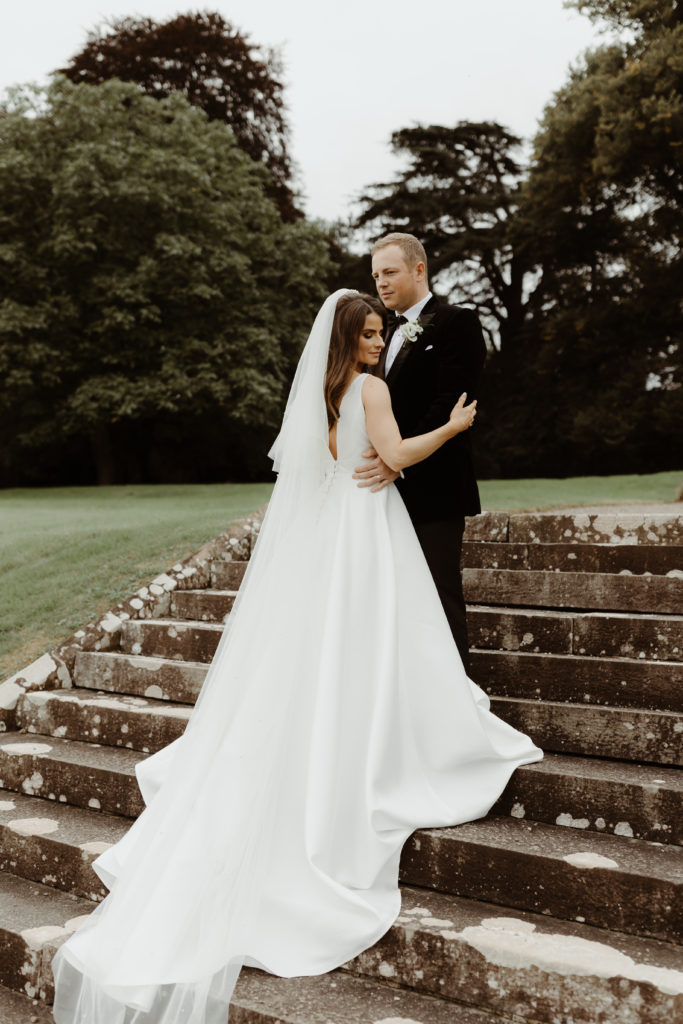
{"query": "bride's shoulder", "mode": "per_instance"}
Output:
(373, 389)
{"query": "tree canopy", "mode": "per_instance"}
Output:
(458, 194)
(144, 273)
(574, 260)
(215, 65)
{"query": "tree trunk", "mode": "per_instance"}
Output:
(103, 450)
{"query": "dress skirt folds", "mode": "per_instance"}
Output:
(336, 718)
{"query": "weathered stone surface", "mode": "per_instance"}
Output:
(488, 526)
(624, 733)
(338, 998)
(172, 638)
(525, 965)
(227, 575)
(114, 720)
(596, 528)
(55, 843)
(573, 590)
(511, 630)
(34, 921)
(203, 605)
(16, 1008)
(159, 678)
(610, 881)
(601, 796)
(83, 774)
(627, 559)
(481, 555)
(658, 560)
(619, 682)
(655, 637)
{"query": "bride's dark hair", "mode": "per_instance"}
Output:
(348, 323)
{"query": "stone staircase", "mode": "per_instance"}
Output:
(563, 906)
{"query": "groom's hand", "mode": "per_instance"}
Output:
(375, 474)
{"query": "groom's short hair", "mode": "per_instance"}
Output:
(411, 247)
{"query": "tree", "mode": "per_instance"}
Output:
(215, 66)
(144, 274)
(600, 213)
(458, 194)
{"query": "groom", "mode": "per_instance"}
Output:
(433, 352)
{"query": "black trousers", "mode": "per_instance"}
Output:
(442, 546)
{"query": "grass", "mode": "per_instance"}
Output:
(581, 490)
(67, 554)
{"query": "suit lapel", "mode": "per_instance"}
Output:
(409, 347)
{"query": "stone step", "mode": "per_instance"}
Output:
(627, 885)
(600, 634)
(581, 527)
(155, 678)
(450, 938)
(16, 1008)
(339, 998)
(627, 734)
(68, 771)
(227, 575)
(498, 961)
(603, 796)
(578, 679)
(34, 921)
(635, 559)
(525, 965)
(596, 634)
(580, 590)
(171, 638)
(56, 843)
(114, 720)
(87, 775)
(202, 605)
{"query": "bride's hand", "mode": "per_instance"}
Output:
(462, 416)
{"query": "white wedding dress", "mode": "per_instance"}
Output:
(336, 719)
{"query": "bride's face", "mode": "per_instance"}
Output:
(370, 342)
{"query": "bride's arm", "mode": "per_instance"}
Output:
(398, 452)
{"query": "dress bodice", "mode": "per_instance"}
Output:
(352, 434)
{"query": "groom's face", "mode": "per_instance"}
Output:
(398, 285)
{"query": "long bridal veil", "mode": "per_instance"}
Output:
(168, 942)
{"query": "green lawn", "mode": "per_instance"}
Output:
(67, 554)
(580, 490)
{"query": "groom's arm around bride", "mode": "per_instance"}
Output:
(428, 363)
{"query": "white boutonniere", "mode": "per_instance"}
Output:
(412, 330)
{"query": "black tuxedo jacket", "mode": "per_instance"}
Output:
(426, 379)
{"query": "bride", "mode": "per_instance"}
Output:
(335, 719)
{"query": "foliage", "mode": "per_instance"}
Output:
(144, 274)
(574, 262)
(214, 65)
(458, 194)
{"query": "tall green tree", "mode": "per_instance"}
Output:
(601, 215)
(215, 65)
(144, 273)
(459, 194)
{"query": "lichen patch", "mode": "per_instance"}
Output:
(588, 859)
(33, 826)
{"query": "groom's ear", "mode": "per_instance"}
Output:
(420, 271)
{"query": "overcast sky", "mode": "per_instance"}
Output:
(356, 70)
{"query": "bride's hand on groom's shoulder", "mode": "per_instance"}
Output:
(374, 474)
(462, 416)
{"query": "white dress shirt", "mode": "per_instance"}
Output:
(397, 338)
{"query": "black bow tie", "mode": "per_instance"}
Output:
(395, 322)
